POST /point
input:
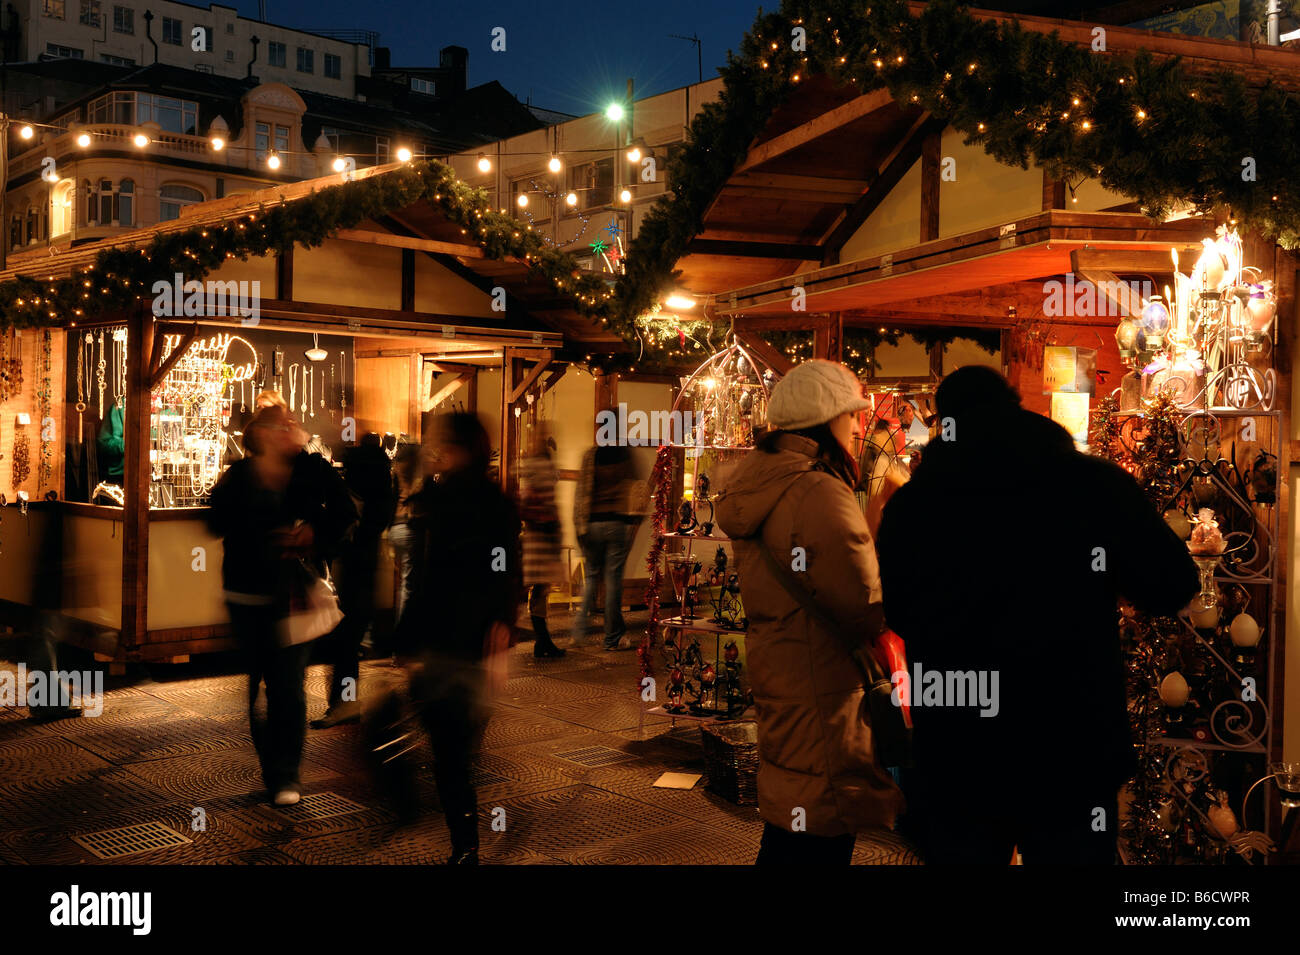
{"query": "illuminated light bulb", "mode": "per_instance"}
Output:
(634, 154)
(339, 164)
(522, 200)
(571, 199)
(83, 140)
(273, 161)
(484, 164)
(403, 155)
(26, 132)
(614, 112)
(682, 302)
(1141, 114)
(140, 140)
(625, 196)
(218, 143)
(554, 165)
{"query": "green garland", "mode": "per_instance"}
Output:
(1154, 132)
(121, 277)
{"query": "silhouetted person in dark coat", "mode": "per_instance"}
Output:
(1005, 555)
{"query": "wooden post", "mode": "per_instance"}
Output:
(408, 280)
(1053, 192)
(931, 147)
(606, 396)
(136, 479)
(828, 337)
(284, 275)
(512, 373)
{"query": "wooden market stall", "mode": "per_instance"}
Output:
(861, 216)
(397, 303)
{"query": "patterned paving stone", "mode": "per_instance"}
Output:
(606, 712)
(222, 773)
(38, 756)
(136, 742)
(513, 725)
(578, 817)
(40, 800)
(689, 844)
(884, 849)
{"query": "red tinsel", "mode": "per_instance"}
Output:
(662, 481)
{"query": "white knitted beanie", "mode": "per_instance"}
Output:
(813, 393)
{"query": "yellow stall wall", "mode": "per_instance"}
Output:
(184, 582)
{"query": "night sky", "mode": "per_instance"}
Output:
(567, 56)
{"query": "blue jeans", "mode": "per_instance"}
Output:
(402, 539)
(604, 549)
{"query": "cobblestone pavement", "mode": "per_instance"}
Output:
(563, 756)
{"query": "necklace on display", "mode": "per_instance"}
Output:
(293, 385)
(81, 389)
(343, 382)
(99, 375)
(304, 392)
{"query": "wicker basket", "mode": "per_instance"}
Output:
(731, 757)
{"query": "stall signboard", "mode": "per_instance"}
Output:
(1069, 369)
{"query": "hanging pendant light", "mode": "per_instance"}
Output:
(316, 353)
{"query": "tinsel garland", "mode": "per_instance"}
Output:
(1144, 128)
(660, 520)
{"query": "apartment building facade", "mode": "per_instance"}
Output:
(213, 39)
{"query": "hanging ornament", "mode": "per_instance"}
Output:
(316, 353)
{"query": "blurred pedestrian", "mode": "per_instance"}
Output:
(542, 567)
(278, 511)
(367, 472)
(605, 518)
(408, 478)
(808, 616)
(460, 618)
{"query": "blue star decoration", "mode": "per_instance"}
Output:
(614, 229)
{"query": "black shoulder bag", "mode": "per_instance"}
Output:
(892, 735)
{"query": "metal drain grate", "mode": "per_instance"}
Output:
(596, 756)
(319, 806)
(145, 837)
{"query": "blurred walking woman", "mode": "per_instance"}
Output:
(461, 614)
(271, 509)
(794, 496)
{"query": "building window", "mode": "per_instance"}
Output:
(275, 53)
(593, 182)
(173, 198)
(116, 60)
(15, 232)
(333, 66)
(230, 56)
(306, 60)
(230, 28)
(422, 86)
(54, 9)
(132, 109)
(64, 52)
(90, 13)
(381, 150)
(126, 202)
(172, 30)
(263, 141)
(124, 20)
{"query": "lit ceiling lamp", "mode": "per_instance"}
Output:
(316, 353)
(26, 132)
(679, 302)
(484, 164)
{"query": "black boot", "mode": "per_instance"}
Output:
(464, 838)
(544, 647)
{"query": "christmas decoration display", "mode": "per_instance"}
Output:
(724, 402)
(1197, 682)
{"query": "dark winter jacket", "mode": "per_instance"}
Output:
(245, 515)
(467, 568)
(1006, 552)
